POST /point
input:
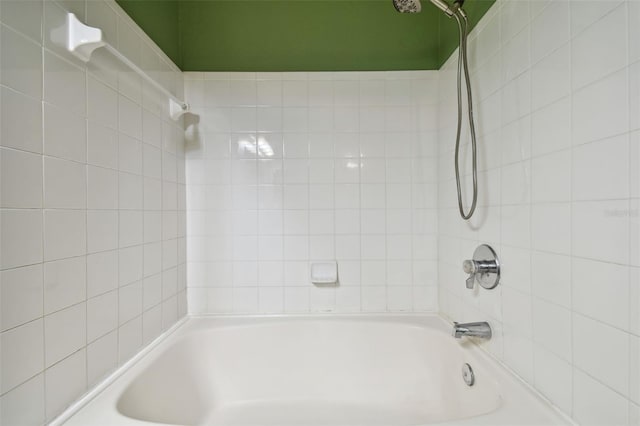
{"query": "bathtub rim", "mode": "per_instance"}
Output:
(191, 323)
(105, 382)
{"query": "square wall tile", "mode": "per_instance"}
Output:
(595, 403)
(22, 354)
(64, 382)
(593, 161)
(64, 84)
(22, 291)
(65, 184)
(65, 332)
(65, 134)
(553, 378)
(129, 339)
(24, 404)
(550, 28)
(64, 283)
(601, 108)
(21, 237)
(21, 179)
(102, 315)
(21, 121)
(21, 60)
(600, 230)
(102, 357)
(591, 298)
(64, 234)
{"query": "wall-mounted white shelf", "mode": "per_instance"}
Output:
(82, 40)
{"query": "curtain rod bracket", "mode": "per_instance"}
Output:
(82, 40)
(176, 110)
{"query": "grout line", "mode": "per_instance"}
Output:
(117, 237)
(86, 227)
(530, 179)
(283, 269)
(572, 224)
(43, 242)
(360, 209)
(632, 381)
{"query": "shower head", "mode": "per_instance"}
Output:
(407, 6)
(414, 6)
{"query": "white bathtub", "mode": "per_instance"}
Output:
(286, 371)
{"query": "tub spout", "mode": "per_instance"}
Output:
(472, 329)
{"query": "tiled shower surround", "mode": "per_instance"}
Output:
(557, 88)
(92, 221)
(286, 169)
(556, 99)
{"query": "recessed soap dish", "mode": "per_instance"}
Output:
(324, 273)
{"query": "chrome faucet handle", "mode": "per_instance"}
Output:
(469, 267)
(483, 268)
(470, 281)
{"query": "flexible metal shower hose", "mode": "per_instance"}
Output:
(462, 65)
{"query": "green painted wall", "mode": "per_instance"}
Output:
(159, 19)
(299, 35)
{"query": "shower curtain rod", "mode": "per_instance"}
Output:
(82, 40)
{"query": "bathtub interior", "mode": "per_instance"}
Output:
(309, 372)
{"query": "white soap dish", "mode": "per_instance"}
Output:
(324, 273)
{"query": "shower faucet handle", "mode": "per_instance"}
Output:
(471, 281)
(483, 268)
(469, 267)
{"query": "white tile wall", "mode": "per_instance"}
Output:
(566, 208)
(284, 169)
(92, 173)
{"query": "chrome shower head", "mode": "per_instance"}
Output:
(414, 6)
(407, 6)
